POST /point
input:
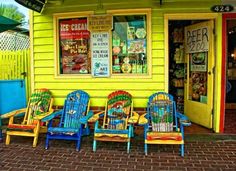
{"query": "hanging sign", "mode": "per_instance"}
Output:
(197, 39)
(100, 54)
(222, 8)
(100, 23)
(35, 5)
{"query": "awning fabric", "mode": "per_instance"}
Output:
(6, 23)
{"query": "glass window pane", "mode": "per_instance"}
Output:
(129, 44)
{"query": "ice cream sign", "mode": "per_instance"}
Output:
(197, 39)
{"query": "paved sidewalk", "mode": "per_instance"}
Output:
(203, 154)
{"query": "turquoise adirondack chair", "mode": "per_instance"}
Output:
(118, 119)
(162, 123)
(73, 119)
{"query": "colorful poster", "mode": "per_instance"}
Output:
(137, 46)
(100, 54)
(74, 46)
(198, 61)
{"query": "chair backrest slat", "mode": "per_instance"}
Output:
(39, 102)
(75, 107)
(118, 111)
(162, 112)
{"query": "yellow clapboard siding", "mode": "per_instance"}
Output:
(44, 55)
(158, 61)
(158, 53)
(43, 41)
(43, 33)
(43, 26)
(43, 19)
(51, 78)
(104, 93)
(44, 63)
(102, 86)
(158, 20)
(158, 28)
(44, 48)
(158, 45)
(157, 36)
(45, 71)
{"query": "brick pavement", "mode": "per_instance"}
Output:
(200, 155)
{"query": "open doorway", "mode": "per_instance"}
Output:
(230, 74)
(190, 75)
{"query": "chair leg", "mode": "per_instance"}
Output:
(128, 147)
(35, 141)
(78, 144)
(182, 150)
(47, 142)
(94, 145)
(8, 139)
(145, 148)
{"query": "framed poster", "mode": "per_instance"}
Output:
(74, 46)
(100, 42)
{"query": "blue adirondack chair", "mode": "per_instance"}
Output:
(118, 118)
(73, 119)
(162, 123)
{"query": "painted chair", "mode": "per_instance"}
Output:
(73, 119)
(162, 123)
(117, 120)
(39, 106)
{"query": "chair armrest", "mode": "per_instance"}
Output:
(142, 119)
(44, 115)
(13, 113)
(52, 115)
(96, 116)
(183, 119)
(85, 119)
(134, 119)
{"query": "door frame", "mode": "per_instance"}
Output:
(192, 16)
(225, 17)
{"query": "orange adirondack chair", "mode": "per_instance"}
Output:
(39, 106)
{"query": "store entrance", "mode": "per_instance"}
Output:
(191, 64)
(230, 56)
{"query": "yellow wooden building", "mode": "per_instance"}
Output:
(141, 46)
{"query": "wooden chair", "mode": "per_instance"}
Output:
(39, 106)
(117, 120)
(73, 119)
(162, 123)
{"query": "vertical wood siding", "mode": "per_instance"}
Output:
(99, 88)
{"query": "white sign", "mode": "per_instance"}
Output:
(100, 54)
(197, 40)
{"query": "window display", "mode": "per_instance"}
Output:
(129, 44)
(74, 46)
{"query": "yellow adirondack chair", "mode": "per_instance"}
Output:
(39, 106)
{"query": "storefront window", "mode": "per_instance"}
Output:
(129, 44)
(74, 49)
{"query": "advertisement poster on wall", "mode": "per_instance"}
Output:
(100, 54)
(74, 46)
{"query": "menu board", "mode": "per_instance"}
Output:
(74, 46)
(100, 54)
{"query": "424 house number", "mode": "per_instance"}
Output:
(222, 8)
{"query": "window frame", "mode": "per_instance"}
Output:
(122, 12)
